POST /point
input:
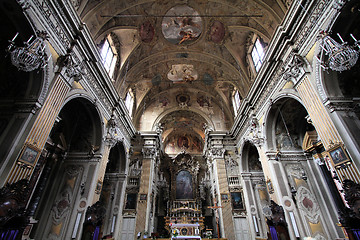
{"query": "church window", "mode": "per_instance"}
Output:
(236, 101)
(129, 102)
(108, 55)
(257, 54)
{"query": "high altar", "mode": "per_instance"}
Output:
(184, 209)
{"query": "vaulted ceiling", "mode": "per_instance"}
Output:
(183, 60)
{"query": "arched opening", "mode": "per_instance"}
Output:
(295, 145)
(65, 163)
(287, 124)
(254, 194)
(111, 193)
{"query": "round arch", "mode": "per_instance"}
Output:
(285, 123)
(80, 119)
(250, 159)
(117, 159)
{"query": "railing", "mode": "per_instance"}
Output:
(233, 181)
(133, 181)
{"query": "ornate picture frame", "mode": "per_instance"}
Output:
(130, 201)
(237, 201)
(29, 155)
(143, 197)
(338, 155)
(224, 197)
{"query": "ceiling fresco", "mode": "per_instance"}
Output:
(183, 60)
(183, 131)
(181, 25)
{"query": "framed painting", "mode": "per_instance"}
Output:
(237, 201)
(29, 155)
(130, 203)
(184, 187)
(143, 197)
(338, 155)
(224, 197)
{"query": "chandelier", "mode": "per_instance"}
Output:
(32, 55)
(341, 56)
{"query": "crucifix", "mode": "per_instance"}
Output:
(216, 208)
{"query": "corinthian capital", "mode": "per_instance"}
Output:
(217, 152)
(149, 152)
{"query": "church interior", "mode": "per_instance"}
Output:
(182, 119)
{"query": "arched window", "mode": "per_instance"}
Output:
(257, 54)
(236, 101)
(108, 55)
(129, 101)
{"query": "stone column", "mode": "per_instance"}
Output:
(222, 189)
(325, 127)
(25, 163)
(150, 152)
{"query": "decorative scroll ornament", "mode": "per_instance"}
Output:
(74, 70)
(294, 70)
(207, 128)
(32, 55)
(159, 128)
(341, 56)
(308, 204)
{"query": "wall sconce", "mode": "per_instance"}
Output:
(277, 155)
(32, 55)
(341, 56)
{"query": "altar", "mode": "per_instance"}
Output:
(185, 230)
(184, 217)
(186, 237)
